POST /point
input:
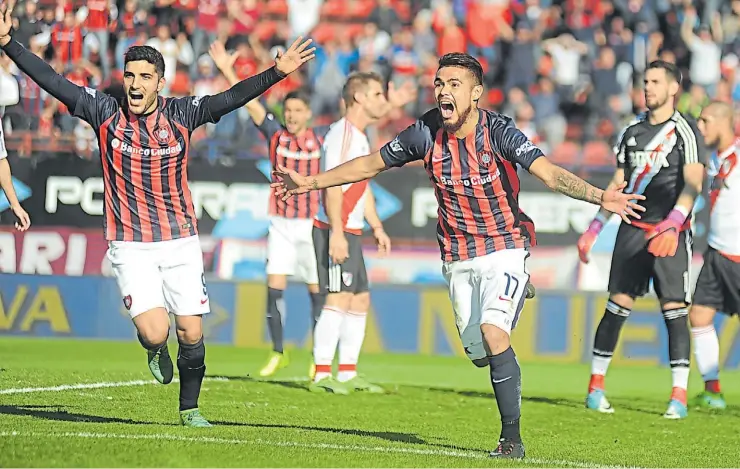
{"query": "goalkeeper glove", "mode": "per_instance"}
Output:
(588, 238)
(663, 238)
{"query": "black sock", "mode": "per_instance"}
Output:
(149, 346)
(610, 326)
(274, 318)
(506, 379)
(317, 304)
(679, 336)
(191, 362)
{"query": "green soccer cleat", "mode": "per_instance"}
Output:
(359, 383)
(160, 364)
(709, 400)
(192, 418)
(329, 384)
(277, 361)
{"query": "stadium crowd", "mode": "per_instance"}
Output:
(568, 71)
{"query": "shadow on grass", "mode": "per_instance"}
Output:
(60, 414)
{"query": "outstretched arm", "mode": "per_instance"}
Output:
(561, 180)
(355, 170)
(225, 63)
(42, 73)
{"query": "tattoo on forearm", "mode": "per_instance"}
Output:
(573, 186)
(314, 184)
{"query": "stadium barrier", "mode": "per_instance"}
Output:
(555, 327)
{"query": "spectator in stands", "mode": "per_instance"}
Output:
(374, 43)
(331, 68)
(245, 14)
(206, 27)
(521, 63)
(482, 26)
(128, 24)
(385, 17)
(549, 118)
(67, 38)
(97, 15)
(303, 16)
(705, 51)
(27, 23)
(566, 53)
(693, 101)
(174, 51)
(425, 43)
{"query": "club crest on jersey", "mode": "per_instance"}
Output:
(162, 135)
(485, 158)
(347, 278)
(127, 302)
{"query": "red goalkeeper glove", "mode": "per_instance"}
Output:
(588, 238)
(664, 236)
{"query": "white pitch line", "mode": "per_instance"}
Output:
(104, 384)
(292, 444)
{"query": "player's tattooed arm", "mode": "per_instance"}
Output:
(612, 199)
(565, 182)
(571, 185)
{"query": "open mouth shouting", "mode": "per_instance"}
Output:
(135, 98)
(447, 108)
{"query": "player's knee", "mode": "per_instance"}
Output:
(152, 327)
(497, 339)
(701, 316)
(189, 329)
(622, 300)
(480, 362)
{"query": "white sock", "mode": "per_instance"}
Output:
(706, 352)
(599, 365)
(351, 336)
(680, 376)
(325, 339)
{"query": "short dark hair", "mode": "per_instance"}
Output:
(146, 54)
(299, 95)
(356, 82)
(671, 70)
(462, 60)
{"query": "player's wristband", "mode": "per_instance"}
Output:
(678, 215)
(597, 224)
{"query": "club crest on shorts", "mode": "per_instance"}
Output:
(127, 302)
(162, 135)
(485, 158)
(347, 278)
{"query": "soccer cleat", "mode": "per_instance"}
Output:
(531, 292)
(192, 418)
(709, 400)
(276, 362)
(329, 384)
(596, 400)
(160, 364)
(676, 410)
(359, 383)
(508, 449)
(312, 371)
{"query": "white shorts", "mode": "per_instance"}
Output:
(486, 290)
(290, 249)
(162, 274)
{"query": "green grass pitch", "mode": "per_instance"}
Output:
(89, 403)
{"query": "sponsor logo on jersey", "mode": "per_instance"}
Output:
(132, 150)
(524, 148)
(648, 158)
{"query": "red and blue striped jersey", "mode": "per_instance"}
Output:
(475, 181)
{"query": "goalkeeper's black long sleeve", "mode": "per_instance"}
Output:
(42, 73)
(243, 92)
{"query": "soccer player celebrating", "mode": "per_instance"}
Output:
(718, 285)
(471, 155)
(289, 240)
(150, 222)
(23, 221)
(661, 155)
